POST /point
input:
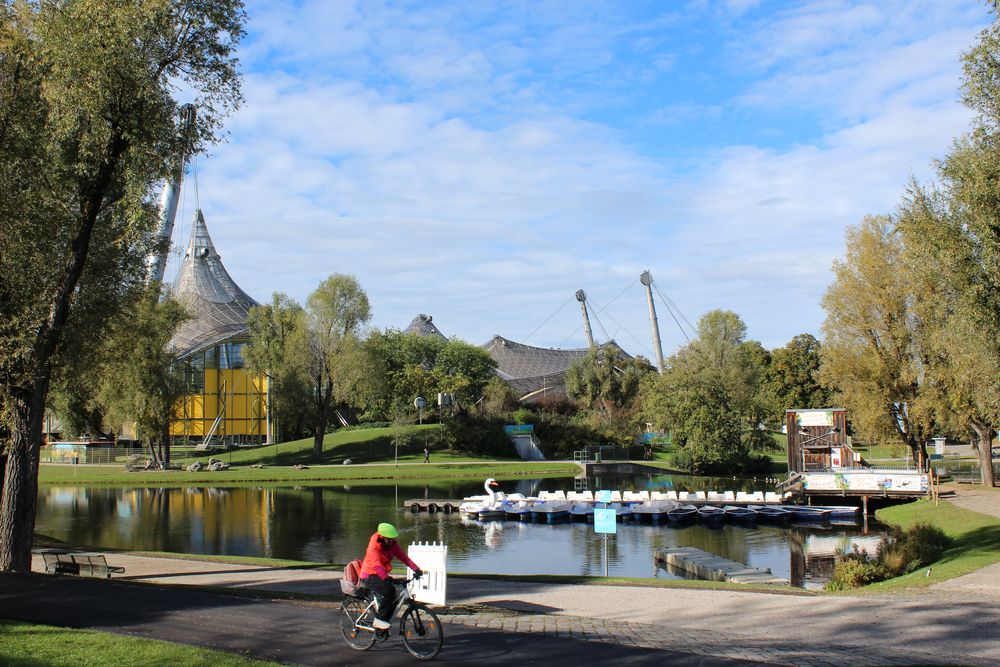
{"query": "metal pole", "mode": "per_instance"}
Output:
(647, 279)
(605, 554)
(581, 296)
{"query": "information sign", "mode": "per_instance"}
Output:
(605, 521)
(603, 496)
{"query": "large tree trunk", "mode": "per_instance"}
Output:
(20, 489)
(984, 447)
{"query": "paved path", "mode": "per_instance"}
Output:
(943, 627)
(955, 622)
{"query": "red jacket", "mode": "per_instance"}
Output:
(378, 558)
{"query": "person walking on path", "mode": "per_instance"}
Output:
(382, 548)
(427, 455)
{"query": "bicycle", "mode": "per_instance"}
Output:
(419, 627)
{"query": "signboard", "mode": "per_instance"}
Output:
(818, 418)
(835, 459)
(519, 429)
(866, 481)
(603, 497)
(605, 521)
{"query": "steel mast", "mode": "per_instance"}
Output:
(156, 262)
(647, 279)
(581, 296)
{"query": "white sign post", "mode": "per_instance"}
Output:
(432, 558)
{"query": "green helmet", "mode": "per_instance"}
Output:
(388, 530)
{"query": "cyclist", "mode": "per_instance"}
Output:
(382, 548)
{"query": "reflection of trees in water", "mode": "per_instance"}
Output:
(333, 523)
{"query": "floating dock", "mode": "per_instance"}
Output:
(710, 567)
(432, 505)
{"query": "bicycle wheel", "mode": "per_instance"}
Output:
(351, 610)
(422, 633)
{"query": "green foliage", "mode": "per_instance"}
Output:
(900, 552)
(481, 436)
(709, 399)
(792, 377)
(562, 434)
(279, 348)
(88, 124)
(605, 383)
(873, 355)
(523, 416)
(403, 366)
(853, 570)
(138, 382)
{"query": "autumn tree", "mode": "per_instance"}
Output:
(872, 355)
(88, 123)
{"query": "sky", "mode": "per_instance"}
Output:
(480, 162)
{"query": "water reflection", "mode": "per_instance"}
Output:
(333, 524)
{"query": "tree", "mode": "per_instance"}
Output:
(607, 382)
(709, 398)
(279, 348)
(87, 124)
(335, 313)
(404, 366)
(792, 376)
(138, 381)
(872, 357)
(955, 296)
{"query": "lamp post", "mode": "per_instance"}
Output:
(802, 444)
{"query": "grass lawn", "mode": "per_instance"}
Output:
(28, 645)
(371, 448)
(69, 474)
(976, 542)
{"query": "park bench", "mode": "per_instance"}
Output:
(79, 564)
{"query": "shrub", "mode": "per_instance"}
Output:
(898, 553)
(855, 569)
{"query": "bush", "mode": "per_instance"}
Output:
(898, 553)
(478, 435)
(853, 570)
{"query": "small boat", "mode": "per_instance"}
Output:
(519, 510)
(473, 505)
(809, 514)
(772, 514)
(741, 515)
(582, 512)
(654, 510)
(486, 513)
(713, 517)
(550, 510)
(842, 512)
(682, 514)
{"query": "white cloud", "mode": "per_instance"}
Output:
(457, 183)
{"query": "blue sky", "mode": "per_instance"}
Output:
(480, 162)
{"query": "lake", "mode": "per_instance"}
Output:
(333, 523)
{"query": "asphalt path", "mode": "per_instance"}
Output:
(289, 632)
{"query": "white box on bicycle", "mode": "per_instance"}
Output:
(432, 558)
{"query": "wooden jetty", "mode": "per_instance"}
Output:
(432, 505)
(710, 567)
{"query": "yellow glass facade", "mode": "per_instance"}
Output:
(224, 400)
